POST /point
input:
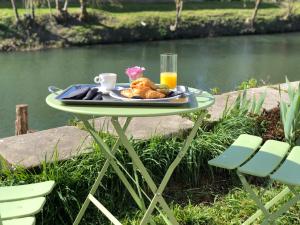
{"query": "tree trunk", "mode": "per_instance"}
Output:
(21, 119)
(58, 7)
(83, 11)
(32, 10)
(257, 3)
(290, 8)
(49, 6)
(15, 10)
(179, 6)
(66, 6)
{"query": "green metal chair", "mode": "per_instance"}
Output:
(270, 162)
(19, 204)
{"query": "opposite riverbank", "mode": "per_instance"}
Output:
(140, 22)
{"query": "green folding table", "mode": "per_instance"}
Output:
(83, 113)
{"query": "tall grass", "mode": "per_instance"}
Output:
(75, 176)
(232, 208)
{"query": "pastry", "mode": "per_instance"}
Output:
(143, 82)
(141, 91)
(151, 94)
(127, 93)
(144, 88)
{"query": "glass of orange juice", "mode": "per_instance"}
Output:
(168, 70)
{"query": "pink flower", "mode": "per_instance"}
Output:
(134, 72)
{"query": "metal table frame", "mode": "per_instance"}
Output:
(157, 201)
(137, 164)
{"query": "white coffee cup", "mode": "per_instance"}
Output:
(107, 81)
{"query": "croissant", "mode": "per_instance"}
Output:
(145, 93)
(154, 94)
(141, 91)
(144, 88)
(127, 93)
(143, 82)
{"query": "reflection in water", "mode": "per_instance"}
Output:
(202, 63)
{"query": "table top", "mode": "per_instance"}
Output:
(197, 102)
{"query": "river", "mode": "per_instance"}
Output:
(202, 63)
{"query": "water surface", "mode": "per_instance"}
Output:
(203, 63)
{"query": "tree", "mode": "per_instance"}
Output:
(32, 9)
(254, 14)
(49, 6)
(179, 6)
(58, 7)
(290, 8)
(83, 10)
(13, 3)
(66, 6)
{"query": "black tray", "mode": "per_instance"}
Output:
(108, 100)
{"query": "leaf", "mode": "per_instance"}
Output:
(291, 92)
(283, 110)
(260, 103)
(253, 106)
(290, 119)
(226, 109)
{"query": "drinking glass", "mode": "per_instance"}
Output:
(168, 70)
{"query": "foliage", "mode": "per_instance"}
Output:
(244, 105)
(75, 177)
(110, 23)
(233, 208)
(251, 83)
(290, 114)
(215, 91)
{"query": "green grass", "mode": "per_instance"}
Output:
(134, 11)
(74, 177)
(198, 193)
(111, 23)
(231, 208)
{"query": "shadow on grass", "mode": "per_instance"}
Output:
(163, 7)
(222, 183)
(135, 7)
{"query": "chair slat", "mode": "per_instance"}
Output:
(289, 171)
(21, 208)
(12, 193)
(267, 159)
(21, 221)
(238, 153)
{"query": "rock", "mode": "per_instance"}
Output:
(271, 101)
(29, 150)
(284, 86)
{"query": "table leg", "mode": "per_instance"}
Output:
(173, 166)
(138, 163)
(110, 161)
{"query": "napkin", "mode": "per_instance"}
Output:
(78, 93)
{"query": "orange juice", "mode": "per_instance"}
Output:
(169, 79)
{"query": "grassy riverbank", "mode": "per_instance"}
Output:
(199, 194)
(140, 22)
